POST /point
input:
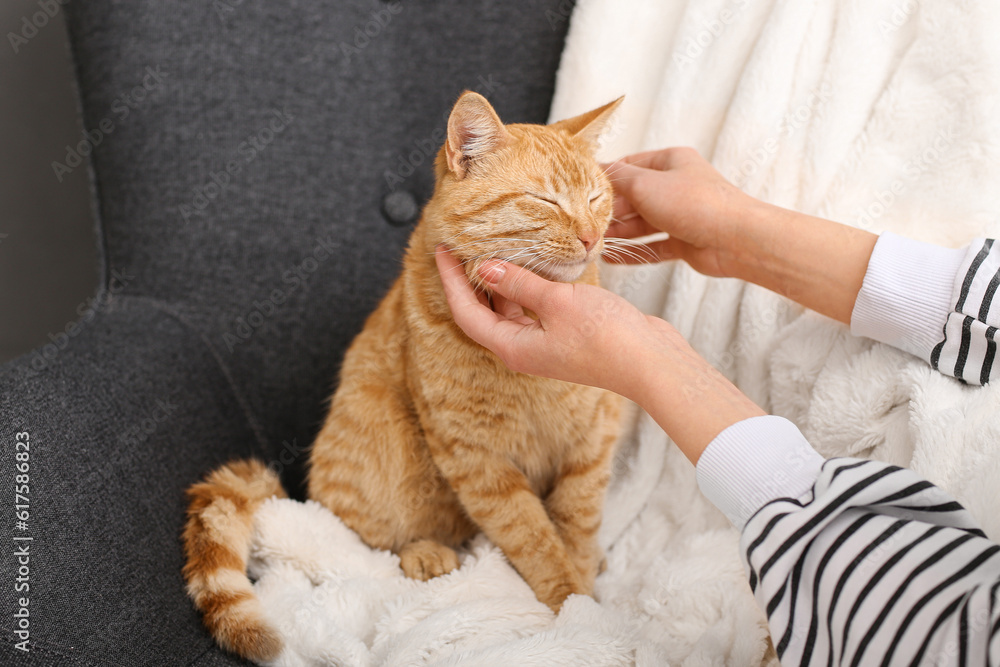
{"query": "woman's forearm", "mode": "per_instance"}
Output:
(686, 396)
(817, 263)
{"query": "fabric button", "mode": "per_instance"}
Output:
(400, 208)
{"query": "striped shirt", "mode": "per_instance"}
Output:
(969, 344)
(936, 303)
(859, 562)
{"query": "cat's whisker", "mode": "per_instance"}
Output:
(530, 252)
(488, 239)
(613, 171)
(631, 243)
(621, 257)
(625, 249)
(541, 264)
(610, 171)
(625, 252)
(628, 248)
(497, 239)
(499, 254)
(617, 257)
(493, 239)
(455, 235)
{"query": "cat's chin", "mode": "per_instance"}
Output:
(564, 272)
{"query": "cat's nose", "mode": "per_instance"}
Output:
(589, 240)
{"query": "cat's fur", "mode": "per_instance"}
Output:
(430, 438)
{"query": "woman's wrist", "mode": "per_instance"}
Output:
(745, 237)
(748, 250)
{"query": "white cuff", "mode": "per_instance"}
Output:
(907, 294)
(755, 461)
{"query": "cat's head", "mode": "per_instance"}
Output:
(534, 195)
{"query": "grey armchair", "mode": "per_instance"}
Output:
(257, 166)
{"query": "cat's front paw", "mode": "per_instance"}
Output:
(426, 559)
(555, 594)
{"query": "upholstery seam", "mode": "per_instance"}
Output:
(103, 294)
(50, 649)
(93, 182)
(198, 658)
(166, 309)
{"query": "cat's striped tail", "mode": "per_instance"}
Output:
(217, 546)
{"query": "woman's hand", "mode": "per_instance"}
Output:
(587, 335)
(582, 334)
(721, 231)
(677, 191)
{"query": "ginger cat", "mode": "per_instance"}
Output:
(430, 438)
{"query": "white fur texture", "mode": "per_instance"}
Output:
(819, 105)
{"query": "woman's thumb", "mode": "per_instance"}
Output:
(517, 284)
(623, 176)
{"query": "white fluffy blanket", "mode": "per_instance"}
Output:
(878, 113)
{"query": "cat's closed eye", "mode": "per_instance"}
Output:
(548, 200)
(543, 198)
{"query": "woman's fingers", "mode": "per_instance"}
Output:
(641, 185)
(633, 228)
(635, 187)
(522, 286)
(470, 310)
(663, 159)
(509, 310)
(623, 209)
(497, 331)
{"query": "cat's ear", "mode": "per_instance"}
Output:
(474, 130)
(591, 125)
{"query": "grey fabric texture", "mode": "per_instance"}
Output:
(243, 155)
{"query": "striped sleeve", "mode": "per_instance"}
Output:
(868, 565)
(936, 303)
